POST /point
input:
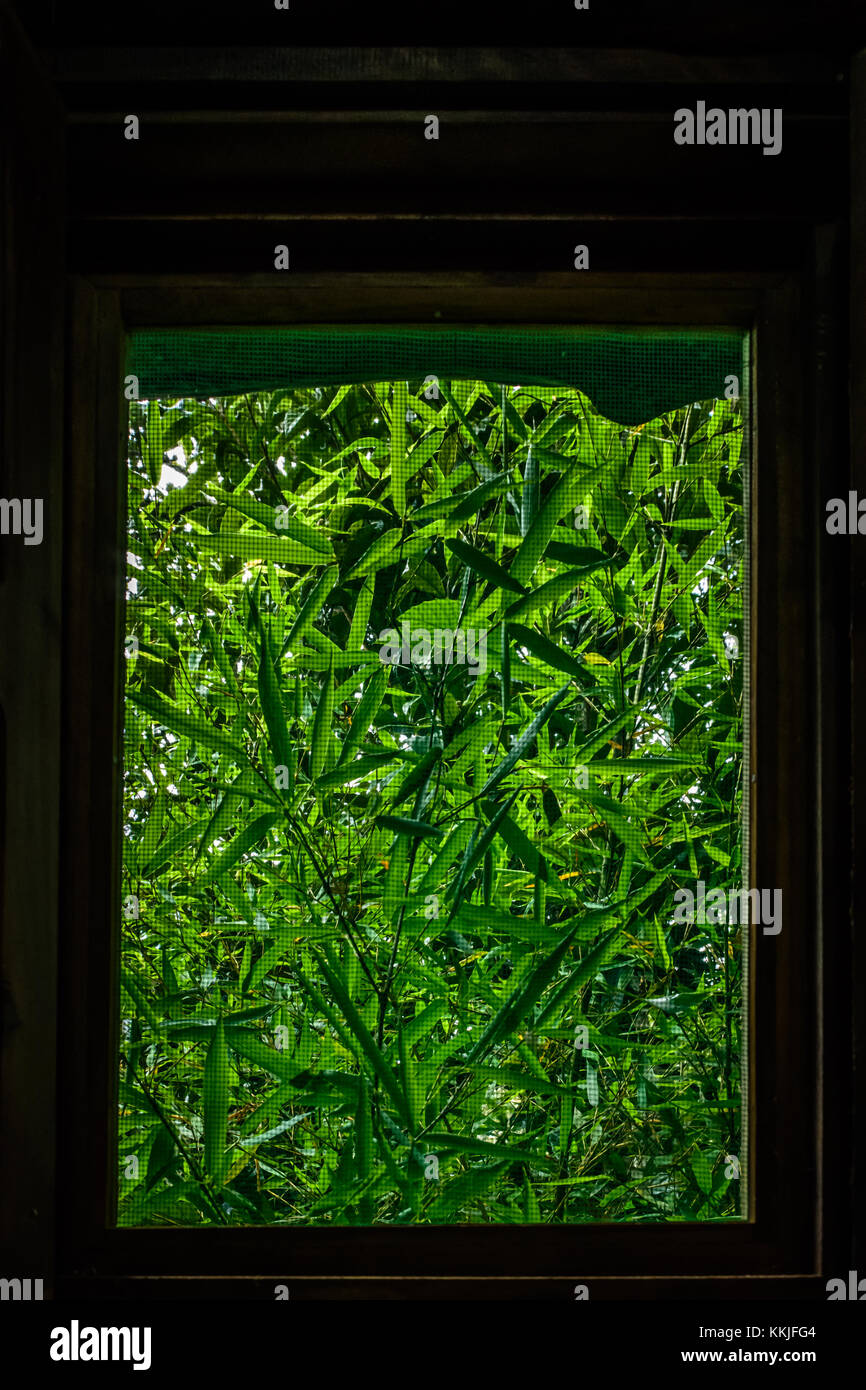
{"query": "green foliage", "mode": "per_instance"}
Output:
(406, 949)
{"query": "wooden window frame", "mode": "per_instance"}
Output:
(798, 1122)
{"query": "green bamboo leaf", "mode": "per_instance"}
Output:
(351, 771)
(525, 741)
(712, 628)
(531, 1209)
(483, 565)
(177, 1202)
(577, 555)
(252, 1144)
(469, 503)
(514, 1079)
(613, 815)
(504, 670)
(449, 394)
(268, 1110)
(488, 878)
(702, 1166)
(392, 891)
(561, 586)
(586, 971)
(412, 1077)
(714, 501)
(139, 999)
(378, 555)
(464, 1190)
(161, 1157)
(154, 442)
(444, 858)
(322, 727)
(270, 696)
(399, 471)
(432, 613)
(256, 544)
(512, 419)
(219, 822)
(553, 429)
(404, 825)
(539, 899)
(657, 937)
(368, 708)
(250, 782)
(475, 851)
(270, 956)
(462, 505)
(276, 520)
(566, 1122)
(368, 445)
(339, 396)
(515, 1009)
(424, 1022)
(521, 845)
(181, 1031)
(215, 1104)
(325, 650)
(153, 828)
(312, 605)
(663, 766)
(238, 900)
(551, 654)
(424, 448)
(360, 619)
(246, 1043)
(239, 846)
(333, 974)
(238, 1016)
(484, 1148)
(190, 726)
(604, 736)
(218, 651)
(416, 778)
(491, 922)
(531, 494)
(363, 1144)
(541, 531)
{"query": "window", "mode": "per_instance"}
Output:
(775, 1229)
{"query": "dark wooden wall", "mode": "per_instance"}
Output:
(32, 285)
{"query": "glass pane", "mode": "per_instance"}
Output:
(433, 774)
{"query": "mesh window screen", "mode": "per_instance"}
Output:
(630, 375)
(434, 853)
